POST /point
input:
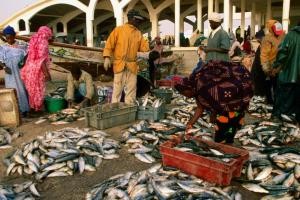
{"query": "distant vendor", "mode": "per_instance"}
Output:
(80, 87)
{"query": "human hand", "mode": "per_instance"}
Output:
(7, 70)
(188, 127)
(70, 103)
(267, 68)
(107, 63)
(275, 71)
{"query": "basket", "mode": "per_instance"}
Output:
(109, 115)
(9, 108)
(203, 167)
(163, 94)
(150, 113)
(54, 105)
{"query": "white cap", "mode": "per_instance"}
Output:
(215, 17)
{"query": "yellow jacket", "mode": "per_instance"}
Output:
(123, 44)
(269, 46)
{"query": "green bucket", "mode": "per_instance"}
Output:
(54, 105)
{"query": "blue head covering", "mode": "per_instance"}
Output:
(9, 31)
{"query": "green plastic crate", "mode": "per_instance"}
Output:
(163, 94)
(150, 113)
(109, 115)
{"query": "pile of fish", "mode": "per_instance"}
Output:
(274, 171)
(6, 136)
(201, 148)
(143, 139)
(259, 108)
(62, 153)
(184, 113)
(149, 100)
(59, 93)
(181, 100)
(159, 183)
(268, 133)
(62, 117)
(26, 190)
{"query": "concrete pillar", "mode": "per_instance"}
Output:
(226, 14)
(154, 26)
(199, 15)
(285, 15)
(181, 25)
(89, 33)
(54, 29)
(95, 30)
(177, 23)
(230, 15)
(119, 16)
(269, 10)
(27, 26)
(65, 28)
(210, 7)
(243, 5)
(258, 21)
(253, 22)
(217, 6)
(210, 10)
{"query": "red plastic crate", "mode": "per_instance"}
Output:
(165, 83)
(203, 167)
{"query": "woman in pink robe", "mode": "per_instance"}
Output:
(35, 72)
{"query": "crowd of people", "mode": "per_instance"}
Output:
(224, 87)
(220, 83)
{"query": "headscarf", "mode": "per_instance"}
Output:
(274, 27)
(215, 17)
(9, 31)
(32, 73)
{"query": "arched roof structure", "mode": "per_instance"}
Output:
(113, 12)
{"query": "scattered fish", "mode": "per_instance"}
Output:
(276, 174)
(26, 190)
(62, 153)
(159, 182)
(267, 133)
(259, 108)
(6, 136)
(64, 116)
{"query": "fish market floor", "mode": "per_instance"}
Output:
(76, 186)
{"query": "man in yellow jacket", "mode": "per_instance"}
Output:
(269, 48)
(123, 44)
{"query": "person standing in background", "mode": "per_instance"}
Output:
(35, 72)
(287, 65)
(269, 49)
(123, 44)
(218, 41)
(12, 55)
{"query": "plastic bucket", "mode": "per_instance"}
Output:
(54, 105)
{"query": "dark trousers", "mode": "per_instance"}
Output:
(227, 130)
(287, 100)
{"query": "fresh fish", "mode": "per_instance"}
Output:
(7, 135)
(264, 173)
(255, 188)
(157, 183)
(62, 153)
